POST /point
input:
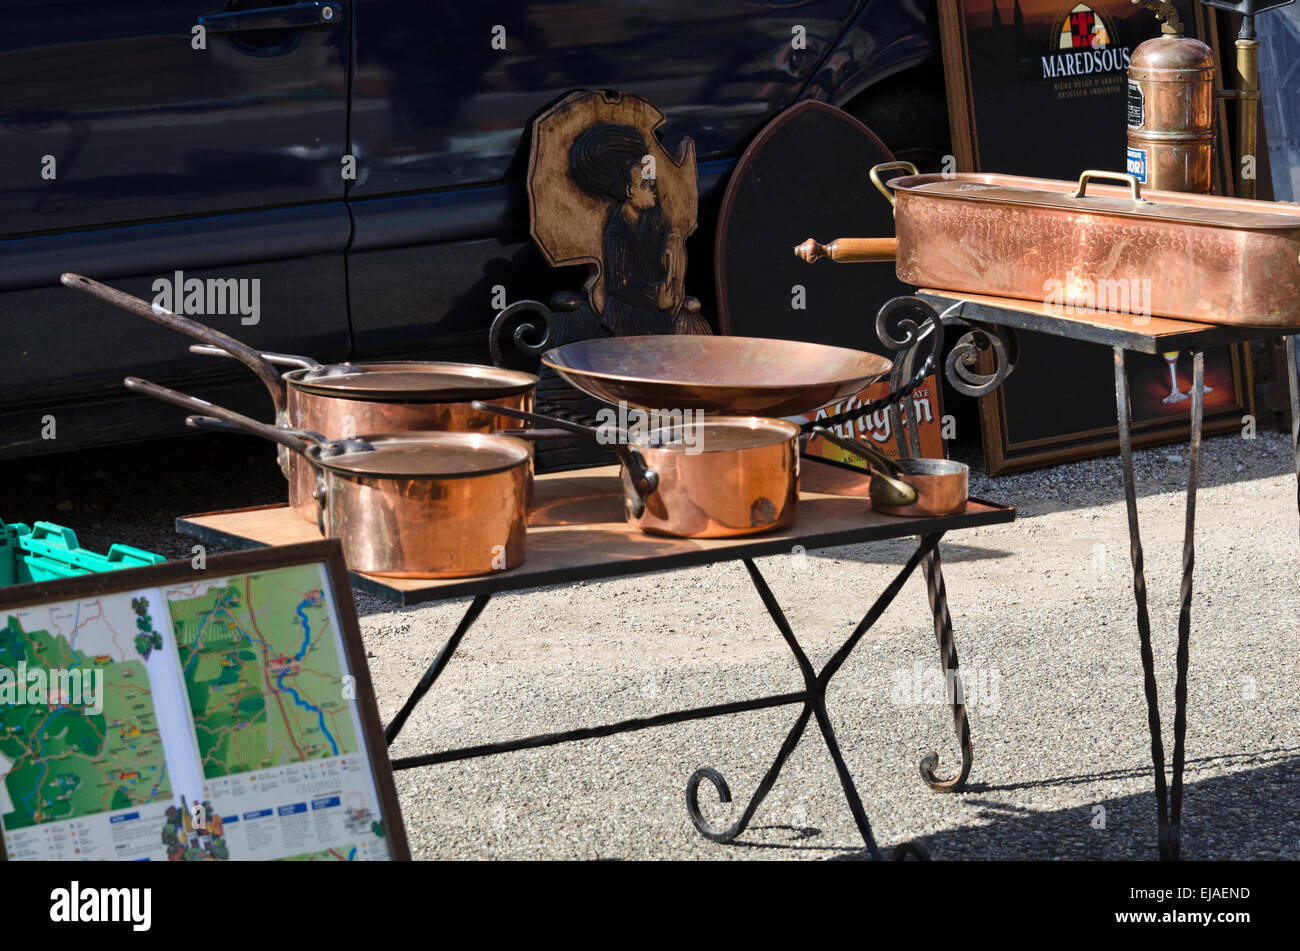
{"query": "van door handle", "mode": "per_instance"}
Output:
(298, 16)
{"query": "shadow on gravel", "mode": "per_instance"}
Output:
(1245, 815)
(887, 553)
(1249, 814)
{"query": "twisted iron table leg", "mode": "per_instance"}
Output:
(814, 705)
(1140, 595)
(1169, 801)
(1185, 606)
(791, 740)
(1294, 386)
(937, 592)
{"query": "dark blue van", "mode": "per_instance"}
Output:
(362, 160)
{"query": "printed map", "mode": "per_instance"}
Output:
(261, 670)
(59, 759)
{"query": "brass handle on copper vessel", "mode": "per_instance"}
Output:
(886, 167)
(849, 250)
(887, 488)
(1114, 176)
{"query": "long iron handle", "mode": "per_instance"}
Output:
(644, 479)
(296, 440)
(161, 315)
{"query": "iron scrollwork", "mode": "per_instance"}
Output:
(904, 325)
(516, 341)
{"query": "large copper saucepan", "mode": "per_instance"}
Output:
(719, 477)
(404, 505)
(1086, 246)
(345, 399)
(731, 375)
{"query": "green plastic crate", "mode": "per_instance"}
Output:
(46, 551)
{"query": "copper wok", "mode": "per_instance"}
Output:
(733, 375)
(345, 399)
(403, 505)
(719, 478)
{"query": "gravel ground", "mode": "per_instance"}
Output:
(1043, 614)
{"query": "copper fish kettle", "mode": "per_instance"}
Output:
(1081, 245)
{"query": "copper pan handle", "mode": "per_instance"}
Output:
(849, 250)
(887, 167)
(859, 448)
(276, 359)
(161, 315)
(296, 440)
(1130, 180)
(644, 479)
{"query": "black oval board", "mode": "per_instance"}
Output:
(805, 175)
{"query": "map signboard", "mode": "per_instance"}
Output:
(171, 713)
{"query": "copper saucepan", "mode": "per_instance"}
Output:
(345, 399)
(404, 505)
(939, 486)
(719, 477)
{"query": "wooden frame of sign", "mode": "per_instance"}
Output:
(998, 51)
(326, 553)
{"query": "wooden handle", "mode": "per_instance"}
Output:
(849, 250)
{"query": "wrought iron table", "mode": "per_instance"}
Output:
(577, 532)
(990, 324)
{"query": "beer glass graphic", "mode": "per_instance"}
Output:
(1175, 394)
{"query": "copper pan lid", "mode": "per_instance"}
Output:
(427, 455)
(1207, 210)
(412, 381)
(720, 434)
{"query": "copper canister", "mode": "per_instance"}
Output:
(1171, 113)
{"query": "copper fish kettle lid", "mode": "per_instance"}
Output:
(1213, 211)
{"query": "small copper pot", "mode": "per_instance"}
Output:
(744, 479)
(942, 487)
(717, 478)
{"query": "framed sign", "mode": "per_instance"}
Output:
(806, 175)
(1038, 87)
(170, 713)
